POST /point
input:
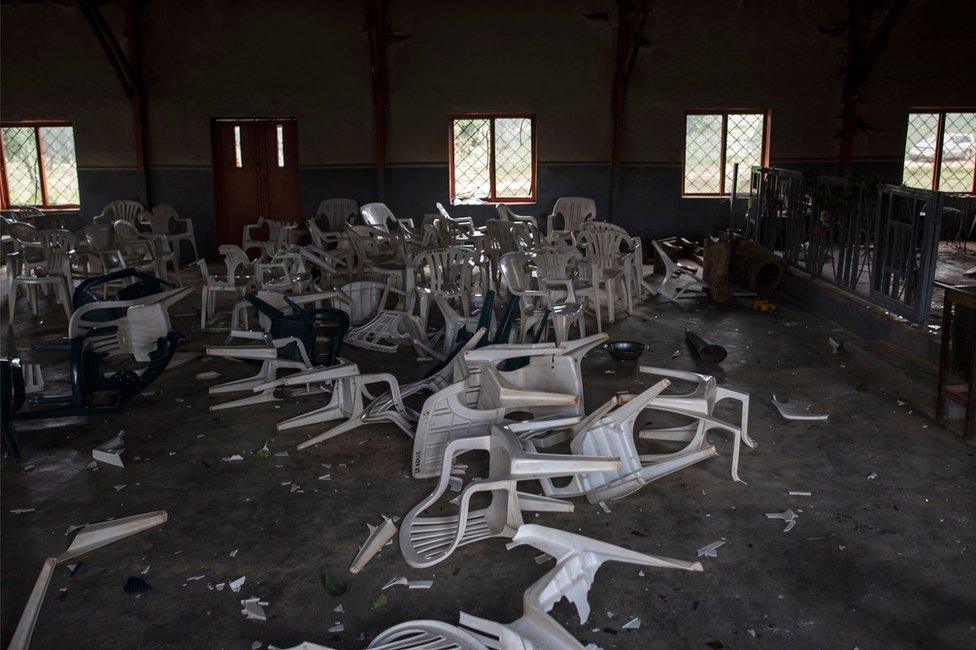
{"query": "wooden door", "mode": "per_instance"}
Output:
(255, 163)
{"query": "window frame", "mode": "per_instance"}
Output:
(724, 112)
(42, 172)
(491, 117)
(939, 145)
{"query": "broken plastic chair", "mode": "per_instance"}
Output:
(91, 537)
(426, 541)
(578, 559)
(791, 410)
(90, 386)
(424, 635)
(609, 431)
(289, 343)
(678, 282)
(699, 406)
(378, 537)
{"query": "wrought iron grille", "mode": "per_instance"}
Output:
(60, 166)
(878, 241)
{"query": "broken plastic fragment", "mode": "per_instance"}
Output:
(254, 609)
(788, 516)
(25, 627)
(264, 451)
(791, 410)
(234, 458)
(710, 550)
(799, 493)
(235, 585)
(98, 535)
(210, 374)
(872, 476)
(378, 537)
(632, 624)
(110, 451)
(339, 610)
(338, 627)
(410, 584)
(22, 511)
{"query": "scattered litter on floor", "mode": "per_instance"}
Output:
(710, 550)
(834, 345)
(120, 487)
(254, 609)
(210, 374)
(95, 536)
(791, 410)
(234, 458)
(73, 568)
(233, 553)
(264, 451)
(325, 477)
(787, 516)
(22, 511)
(632, 624)
(110, 451)
(333, 587)
(800, 493)
(409, 584)
(872, 476)
(377, 538)
(256, 645)
(677, 353)
(380, 601)
(339, 610)
(235, 585)
(136, 586)
(605, 507)
(338, 627)
(195, 578)
(295, 487)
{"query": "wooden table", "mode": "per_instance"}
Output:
(961, 393)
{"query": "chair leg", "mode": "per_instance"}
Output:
(12, 300)
(62, 292)
(611, 301)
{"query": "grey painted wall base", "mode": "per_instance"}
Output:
(648, 201)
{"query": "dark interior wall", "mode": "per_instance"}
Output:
(310, 60)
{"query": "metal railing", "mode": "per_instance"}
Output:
(874, 240)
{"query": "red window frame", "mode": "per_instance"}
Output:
(939, 142)
(491, 117)
(4, 186)
(724, 112)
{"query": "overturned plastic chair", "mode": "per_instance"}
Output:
(699, 406)
(426, 541)
(289, 343)
(578, 559)
(610, 431)
(678, 282)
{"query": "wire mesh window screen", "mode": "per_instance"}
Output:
(472, 157)
(513, 157)
(958, 161)
(60, 166)
(23, 165)
(714, 140)
(920, 150)
(743, 145)
(703, 154)
(493, 159)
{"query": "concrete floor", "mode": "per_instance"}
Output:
(872, 563)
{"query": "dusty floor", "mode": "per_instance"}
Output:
(877, 562)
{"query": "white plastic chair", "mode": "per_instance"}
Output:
(337, 212)
(131, 211)
(446, 272)
(146, 251)
(46, 264)
(426, 541)
(610, 265)
(611, 432)
(574, 212)
(564, 265)
(536, 298)
(578, 559)
(698, 405)
(678, 282)
(161, 219)
(506, 214)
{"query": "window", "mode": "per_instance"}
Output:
(280, 132)
(940, 151)
(714, 141)
(39, 166)
(238, 158)
(493, 158)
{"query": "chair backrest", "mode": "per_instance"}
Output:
(98, 236)
(58, 247)
(337, 212)
(240, 271)
(159, 218)
(447, 266)
(499, 237)
(604, 243)
(515, 271)
(378, 215)
(125, 231)
(125, 210)
(575, 210)
(555, 263)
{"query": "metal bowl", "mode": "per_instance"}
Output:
(625, 350)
